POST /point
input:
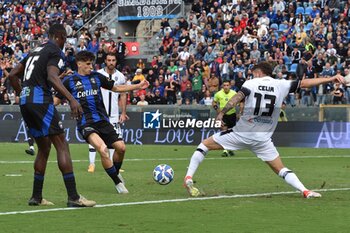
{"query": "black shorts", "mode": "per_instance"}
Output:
(229, 120)
(41, 119)
(104, 129)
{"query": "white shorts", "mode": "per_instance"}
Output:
(115, 122)
(265, 150)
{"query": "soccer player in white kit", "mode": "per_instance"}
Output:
(111, 102)
(263, 97)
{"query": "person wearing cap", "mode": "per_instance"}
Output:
(138, 75)
(142, 96)
(158, 98)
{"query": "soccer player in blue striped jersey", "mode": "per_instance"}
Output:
(40, 71)
(85, 86)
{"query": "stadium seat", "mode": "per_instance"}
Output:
(308, 10)
(348, 35)
(287, 60)
(308, 27)
(300, 10)
(293, 68)
(274, 26)
(282, 27)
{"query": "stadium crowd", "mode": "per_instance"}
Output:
(217, 40)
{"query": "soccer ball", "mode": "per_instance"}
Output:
(163, 174)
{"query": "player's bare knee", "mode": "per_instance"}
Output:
(103, 150)
(121, 149)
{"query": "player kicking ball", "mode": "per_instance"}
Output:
(113, 101)
(263, 97)
(85, 86)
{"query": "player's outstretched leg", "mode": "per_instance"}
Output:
(196, 159)
(291, 178)
(95, 140)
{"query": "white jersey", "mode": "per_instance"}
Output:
(110, 98)
(264, 98)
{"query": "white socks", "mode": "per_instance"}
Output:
(197, 158)
(92, 154)
(111, 152)
(291, 179)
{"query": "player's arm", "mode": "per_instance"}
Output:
(307, 83)
(233, 102)
(53, 78)
(15, 77)
(215, 106)
(125, 88)
(122, 104)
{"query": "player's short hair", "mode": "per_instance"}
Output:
(226, 81)
(265, 67)
(56, 29)
(84, 56)
(111, 54)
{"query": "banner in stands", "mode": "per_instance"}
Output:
(133, 48)
(291, 134)
(148, 9)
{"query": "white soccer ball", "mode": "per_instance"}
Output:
(163, 174)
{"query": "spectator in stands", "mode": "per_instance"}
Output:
(134, 97)
(184, 54)
(122, 52)
(278, 5)
(207, 100)
(142, 101)
(209, 56)
(158, 87)
(213, 84)
(167, 44)
(158, 99)
(171, 89)
(338, 94)
(138, 75)
(279, 68)
(184, 83)
(197, 83)
(100, 57)
(141, 65)
(296, 55)
(187, 95)
(93, 45)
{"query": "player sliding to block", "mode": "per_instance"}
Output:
(263, 97)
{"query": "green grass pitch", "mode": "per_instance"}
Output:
(241, 193)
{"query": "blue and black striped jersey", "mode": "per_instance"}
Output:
(35, 86)
(87, 91)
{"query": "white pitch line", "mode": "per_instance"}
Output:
(171, 201)
(186, 159)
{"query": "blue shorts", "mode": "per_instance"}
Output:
(42, 120)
